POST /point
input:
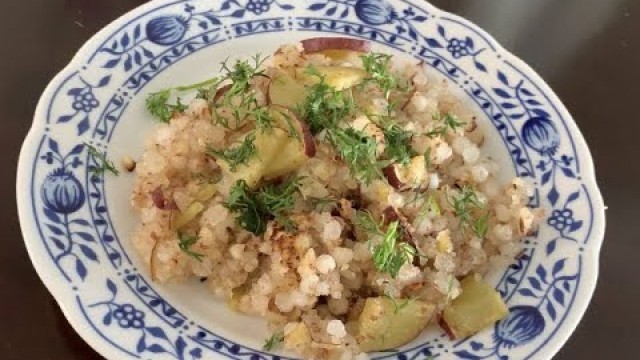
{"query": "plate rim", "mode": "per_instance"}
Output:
(83, 329)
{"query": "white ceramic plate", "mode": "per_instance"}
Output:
(76, 226)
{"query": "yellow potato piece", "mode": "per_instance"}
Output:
(339, 77)
(237, 294)
(206, 192)
(292, 155)
(478, 306)
(340, 55)
(384, 324)
(285, 90)
(268, 146)
(298, 338)
(443, 241)
(291, 158)
(185, 217)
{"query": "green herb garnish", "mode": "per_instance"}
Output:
(158, 105)
(254, 208)
(103, 163)
(365, 221)
(390, 255)
(463, 204)
(186, 241)
(449, 123)
(238, 155)
(377, 66)
(158, 102)
(324, 109)
(250, 214)
(242, 73)
(324, 106)
(261, 117)
(481, 226)
(359, 152)
(398, 144)
(273, 341)
(322, 202)
(427, 159)
(278, 199)
(239, 98)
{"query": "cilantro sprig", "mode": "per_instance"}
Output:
(322, 203)
(480, 226)
(448, 122)
(398, 144)
(324, 109)
(273, 341)
(103, 164)
(158, 102)
(254, 208)
(378, 68)
(359, 152)
(238, 155)
(324, 106)
(186, 241)
(239, 97)
(463, 204)
(365, 221)
(390, 254)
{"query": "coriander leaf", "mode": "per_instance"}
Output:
(365, 221)
(449, 123)
(279, 199)
(358, 151)
(158, 102)
(378, 67)
(241, 74)
(463, 203)
(427, 159)
(324, 107)
(481, 226)
(398, 144)
(186, 241)
(273, 341)
(238, 155)
(239, 97)
(261, 117)
(200, 86)
(102, 162)
(249, 212)
(254, 208)
(322, 202)
(389, 255)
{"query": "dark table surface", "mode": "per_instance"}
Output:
(587, 50)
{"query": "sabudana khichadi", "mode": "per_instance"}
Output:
(340, 195)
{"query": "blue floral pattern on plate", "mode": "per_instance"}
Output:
(67, 217)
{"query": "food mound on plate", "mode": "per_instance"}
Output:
(339, 194)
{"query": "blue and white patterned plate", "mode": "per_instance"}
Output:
(76, 225)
